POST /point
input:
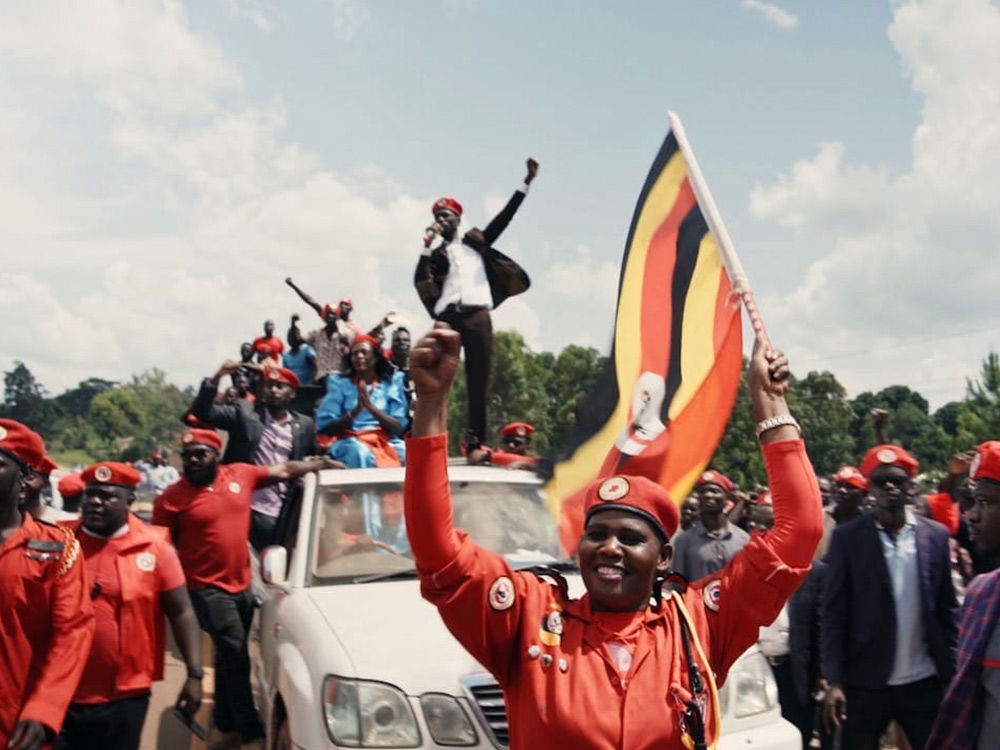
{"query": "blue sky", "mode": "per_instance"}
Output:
(168, 163)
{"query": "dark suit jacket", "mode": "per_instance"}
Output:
(245, 427)
(859, 614)
(506, 277)
(805, 609)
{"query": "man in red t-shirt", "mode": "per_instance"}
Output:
(208, 515)
(134, 578)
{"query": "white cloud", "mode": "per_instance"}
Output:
(772, 14)
(584, 279)
(908, 269)
(348, 17)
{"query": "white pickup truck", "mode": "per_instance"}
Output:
(348, 654)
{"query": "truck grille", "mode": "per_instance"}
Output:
(487, 699)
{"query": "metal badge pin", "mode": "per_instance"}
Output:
(534, 652)
(547, 661)
(563, 665)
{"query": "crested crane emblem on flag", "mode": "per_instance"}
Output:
(662, 406)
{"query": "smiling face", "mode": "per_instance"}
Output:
(363, 358)
(984, 517)
(711, 497)
(620, 556)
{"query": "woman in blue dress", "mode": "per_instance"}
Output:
(365, 410)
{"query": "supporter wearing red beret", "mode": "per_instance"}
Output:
(850, 488)
(32, 486)
(204, 437)
(136, 582)
(71, 489)
(45, 635)
(638, 496)
(889, 455)
(281, 375)
(713, 540)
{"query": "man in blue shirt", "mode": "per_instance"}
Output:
(300, 357)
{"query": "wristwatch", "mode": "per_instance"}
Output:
(196, 674)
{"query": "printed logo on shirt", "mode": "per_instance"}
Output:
(501, 594)
(234, 487)
(146, 562)
(713, 593)
(550, 633)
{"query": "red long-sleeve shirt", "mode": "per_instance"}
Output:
(561, 686)
(46, 625)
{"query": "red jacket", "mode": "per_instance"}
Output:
(561, 687)
(46, 625)
(141, 623)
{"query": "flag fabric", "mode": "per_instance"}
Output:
(662, 406)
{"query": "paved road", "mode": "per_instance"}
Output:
(163, 731)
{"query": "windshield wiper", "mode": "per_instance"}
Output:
(390, 576)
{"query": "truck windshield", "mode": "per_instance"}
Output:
(359, 530)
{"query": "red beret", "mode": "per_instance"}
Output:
(46, 466)
(521, 429)
(986, 462)
(633, 494)
(364, 338)
(345, 301)
(889, 455)
(202, 437)
(449, 204)
(111, 472)
(715, 477)
(71, 485)
(852, 476)
(283, 375)
(22, 442)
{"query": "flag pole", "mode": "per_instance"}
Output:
(741, 285)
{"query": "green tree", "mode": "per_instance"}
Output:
(819, 402)
(738, 454)
(138, 417)
(979, 420)
(27, 401)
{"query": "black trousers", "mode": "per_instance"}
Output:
(115, 725)
(262, 530)
(912, 706)
(226, 618)
(476, 329)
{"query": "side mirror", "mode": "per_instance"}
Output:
(274, 564)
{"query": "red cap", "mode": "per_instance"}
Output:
(22, 442)
(449, 204)
(986, 463)
(715, 477)
(851, 475)
(47, 465)
(639, 495)
(71, 485)
(364, 338)
(889, 455)
(283, 375)
(111, 472)
(202, 437)
(520, 429)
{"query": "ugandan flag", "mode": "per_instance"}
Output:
(663, 405)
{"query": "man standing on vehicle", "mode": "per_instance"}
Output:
(134, 578)
(268, 434)
(461, 280)
(46, 621)
(208, 514)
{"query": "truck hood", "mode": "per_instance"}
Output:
(391, 634)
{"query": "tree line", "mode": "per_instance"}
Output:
(105, 419)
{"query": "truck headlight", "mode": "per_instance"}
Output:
(752, 688)
(446, 721)
(359, 713)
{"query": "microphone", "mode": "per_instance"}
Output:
(430, 233)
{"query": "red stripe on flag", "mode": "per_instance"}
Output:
(661, 257)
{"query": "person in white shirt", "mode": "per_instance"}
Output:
(460, 278)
